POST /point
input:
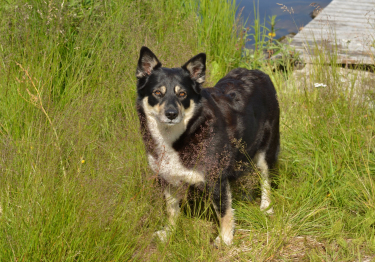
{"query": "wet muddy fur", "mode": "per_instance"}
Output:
(196, 136)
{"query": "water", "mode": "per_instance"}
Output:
(285, 23)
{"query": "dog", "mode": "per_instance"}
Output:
(191, 133)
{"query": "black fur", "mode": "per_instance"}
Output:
(242, 107)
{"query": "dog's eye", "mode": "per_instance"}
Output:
(182, 94)
(157, 93)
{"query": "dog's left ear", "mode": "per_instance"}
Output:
(196, 67)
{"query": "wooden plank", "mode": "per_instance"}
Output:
(346, 4)
(312, 46)
(355, 6)
(344, 12)
(345, 27)
(343, 24)
(311, 55)
(339, 58)
(349, 34)
(309, 45)
(355, 1)
(357, 11)
(344, 18)
(336, 27)
(339, 47)
(333, 34)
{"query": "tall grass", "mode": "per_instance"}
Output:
(221, 35)
(74, 182)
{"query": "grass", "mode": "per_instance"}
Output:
(74, 183)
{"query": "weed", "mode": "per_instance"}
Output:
(78, 60)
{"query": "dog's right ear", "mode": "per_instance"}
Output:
(147, 62)
(196, 67)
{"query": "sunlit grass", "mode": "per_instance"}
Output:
(81, 58)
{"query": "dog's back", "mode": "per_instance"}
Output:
(248, 102)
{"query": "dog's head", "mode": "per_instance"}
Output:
(169, 94)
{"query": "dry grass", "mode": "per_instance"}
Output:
(81, 57)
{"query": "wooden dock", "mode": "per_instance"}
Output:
(345, 27)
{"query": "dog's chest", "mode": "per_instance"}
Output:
(167, 163)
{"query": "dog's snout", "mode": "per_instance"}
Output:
(171, 114)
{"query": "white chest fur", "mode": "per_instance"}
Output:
(168, 164)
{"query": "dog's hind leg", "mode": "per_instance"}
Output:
(260, 161)
(173, 209)
(222, 201)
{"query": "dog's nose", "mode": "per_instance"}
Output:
(171, 114)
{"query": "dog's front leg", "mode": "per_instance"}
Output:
(222, 201)
(173, 209)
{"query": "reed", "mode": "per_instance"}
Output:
(74, 183)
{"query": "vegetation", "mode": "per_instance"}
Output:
(75, 185)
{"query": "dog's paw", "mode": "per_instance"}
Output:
(265, 207)
(226, 240)
(163, 234)
(268, 210)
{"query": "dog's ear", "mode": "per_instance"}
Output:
(196, 67)
(147, 62)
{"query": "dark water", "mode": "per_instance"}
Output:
(285, 23)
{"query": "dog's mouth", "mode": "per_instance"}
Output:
(170, 122)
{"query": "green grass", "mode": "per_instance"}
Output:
(75, 185)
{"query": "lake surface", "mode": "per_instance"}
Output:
(286, 23)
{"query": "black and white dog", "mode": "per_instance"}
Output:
(189, 131)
